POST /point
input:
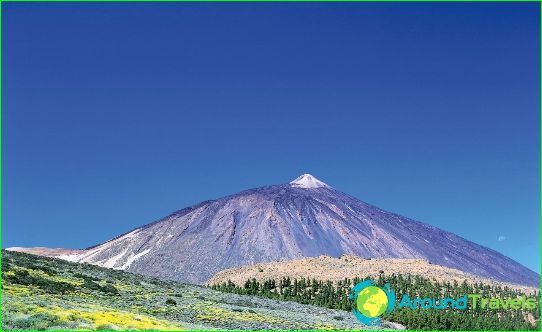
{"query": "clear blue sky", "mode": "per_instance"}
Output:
(115, 115)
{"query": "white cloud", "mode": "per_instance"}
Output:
(501, 238)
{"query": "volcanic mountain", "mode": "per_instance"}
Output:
(303, 218)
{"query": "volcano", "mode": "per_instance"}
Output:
(303, 218)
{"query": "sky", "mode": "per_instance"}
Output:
(115, 114)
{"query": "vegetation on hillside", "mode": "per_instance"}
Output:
(45, 293)
(335, 295)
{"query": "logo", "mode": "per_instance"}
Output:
(372, 301)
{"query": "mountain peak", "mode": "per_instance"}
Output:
(305, 218)
(308, 181)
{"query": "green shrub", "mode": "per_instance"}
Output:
(22, 277)
(87, 283)
(108, 288)
(85, 277)
(39, 321)
(6, 265)
(43, 268)
(106, 327)
(171, 302)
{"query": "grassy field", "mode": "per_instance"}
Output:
(45, 293)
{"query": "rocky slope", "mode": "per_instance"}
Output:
(303, 218)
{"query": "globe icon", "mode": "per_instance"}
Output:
(372, 301)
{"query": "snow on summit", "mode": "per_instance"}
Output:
(308, 181)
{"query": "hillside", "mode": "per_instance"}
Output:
(301, 219)
(335, 269)
(334, 294)
(47, 293)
